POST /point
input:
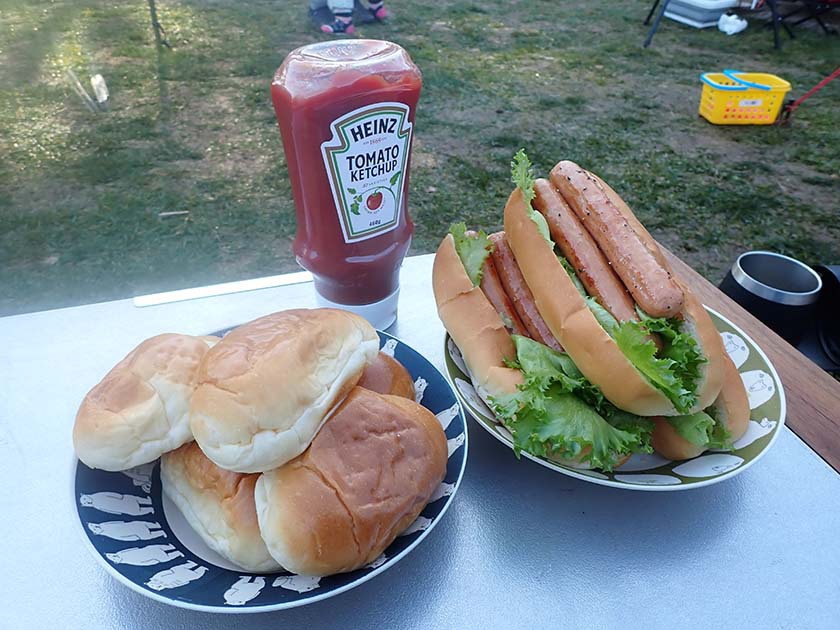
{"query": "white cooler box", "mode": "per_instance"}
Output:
(698, 13)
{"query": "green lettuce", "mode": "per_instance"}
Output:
(701, 429)
(674, 370)
(680, 347)
(473, 250)
(558, 413)
(522, 175)
(663, 373)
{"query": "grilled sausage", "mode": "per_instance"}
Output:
(492, 286)
(519, 293)
(589, 263)
(649, 282)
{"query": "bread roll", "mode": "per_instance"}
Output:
(366, 477)
(385, 375)
(473, 324)
(218, 504)
(140, 409)
(266, 388)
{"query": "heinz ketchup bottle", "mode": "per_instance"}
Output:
(346, 114)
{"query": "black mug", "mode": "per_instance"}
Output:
(780, 291)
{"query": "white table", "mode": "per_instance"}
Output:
(521, 546)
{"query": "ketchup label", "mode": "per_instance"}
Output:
(366, 160)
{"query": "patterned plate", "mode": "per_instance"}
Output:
(653, 472)
(143, 540)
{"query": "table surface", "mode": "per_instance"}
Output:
(521, 546)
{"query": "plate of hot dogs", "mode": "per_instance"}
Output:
(571, 339)
(273, 465)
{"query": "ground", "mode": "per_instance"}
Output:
(191, 129)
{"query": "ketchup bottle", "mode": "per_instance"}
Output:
(346, 115)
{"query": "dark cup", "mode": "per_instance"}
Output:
(780, 291)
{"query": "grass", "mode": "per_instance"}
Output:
(192, 129)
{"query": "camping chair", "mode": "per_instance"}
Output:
(813, 10)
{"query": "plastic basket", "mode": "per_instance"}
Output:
(742, 98)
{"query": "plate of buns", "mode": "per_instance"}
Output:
(572, 339)
(269, 466)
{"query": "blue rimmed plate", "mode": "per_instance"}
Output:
(654, 472)
(142, 539)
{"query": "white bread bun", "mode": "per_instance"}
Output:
(266, 388)
(732, 408)
(473, 324)
(385, 375)
(585, 340)
(140, 409)
(218, 504)
(365, 478)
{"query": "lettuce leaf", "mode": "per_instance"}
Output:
(472, 250)
(674, 370)
(695, 427)
(663, 373)
(701, 429)
(680, 347)
(558, 413)
(522, 175)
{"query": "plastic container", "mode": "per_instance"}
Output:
(742, 98)
(346, 114)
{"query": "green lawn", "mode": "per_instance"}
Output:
(192, 129)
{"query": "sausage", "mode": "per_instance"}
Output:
(521, 296)
(649, 282)
(582, 252)
(637, 226)
(495, 292)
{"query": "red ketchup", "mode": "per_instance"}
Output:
(346, 114)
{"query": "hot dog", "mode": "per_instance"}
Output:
(680, 377)
(648, 281)
(521, 296)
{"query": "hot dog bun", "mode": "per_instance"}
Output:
(218, 504)
(731, 408)
(473, 324)
(365, 478)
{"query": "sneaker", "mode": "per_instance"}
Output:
(339, 26)
(380, 13)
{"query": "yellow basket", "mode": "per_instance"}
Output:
(742, 98)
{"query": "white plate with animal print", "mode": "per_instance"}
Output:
(654, 472)
(142, 539)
